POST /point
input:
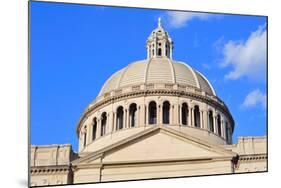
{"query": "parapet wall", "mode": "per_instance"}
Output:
(51, 155)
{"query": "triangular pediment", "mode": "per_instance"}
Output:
(157, 144)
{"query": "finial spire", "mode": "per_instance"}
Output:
(159, 22)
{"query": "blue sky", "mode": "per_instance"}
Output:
(75, 48)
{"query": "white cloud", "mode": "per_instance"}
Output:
(248, 58)
(179, 19)
(254, 98)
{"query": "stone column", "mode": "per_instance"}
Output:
(142, 115)
(215, 123)
(109, 122)
(128, 119)
(176, 114)
(86, 132)
(81, 140)
(160, 115)
(113, 124)
(222, 129)
(205, 119)
(180, 114)
(90, 132)
(192, 120)
(171, 114)
(189, 116)
(201, 119)
(98, 128)
(124, 118)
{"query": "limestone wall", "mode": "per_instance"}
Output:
(50, 164)
(252, 152)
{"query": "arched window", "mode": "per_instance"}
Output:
(196, 116)
(184, 114)
(229, 140)
(119, 118)
(103, 123)
(211, 121)
(94, 129)
(226, 132)
(132, 114)
(152, 112)
(85, 137)
(219, 125)
(166, 112)
(159, 52)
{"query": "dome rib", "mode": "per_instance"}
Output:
(209, 84)
(193, 73)
(146, 70)
(173, 71)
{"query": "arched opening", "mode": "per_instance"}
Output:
(166, 112)
(226, 132)
(85, 137)
(211, 121)
(159, 52)
(229, 133)
(219, 125)
(196, 116)
(119, 118)
(152, 112)
(184, 114)
(103, 123)
(94, 129)
(132, 114)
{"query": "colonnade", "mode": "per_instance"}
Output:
(183, 114)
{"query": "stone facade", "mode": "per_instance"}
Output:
(155, 118)
(51, 164)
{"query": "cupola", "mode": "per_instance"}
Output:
(159, 44)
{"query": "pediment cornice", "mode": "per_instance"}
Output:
(97, 156)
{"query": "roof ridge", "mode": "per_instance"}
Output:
(146, 69)
(207, 81)
(193, 73)
(173, 71)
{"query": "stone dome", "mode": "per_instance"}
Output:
(157, 70)
(156, 92)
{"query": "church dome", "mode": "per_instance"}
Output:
(157, 70)
(155, 92)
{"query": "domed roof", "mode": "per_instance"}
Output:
(157, 70)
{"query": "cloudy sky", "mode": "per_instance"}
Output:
(75, 48)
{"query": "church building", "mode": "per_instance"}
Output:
(155, 118)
